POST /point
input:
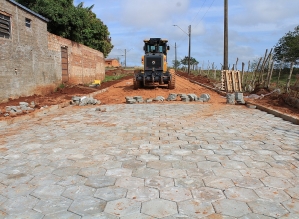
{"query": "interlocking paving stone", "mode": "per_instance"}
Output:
(173, 173)
(159, 165)
(272, 194)
(218, 182)
(18, 204)
(50, 191)
(175, 194)
(189, 182)
(292, 205)
(137, 216)
(66, 171)
(232, 208)
(143, 194)
(63, 215)
(195, 208)
(110, 193)
(275, 182)
(248, 182)
(15, 179)
(100, 181)
(145, 173)
(133, 164)
(72, 180)
(123, 207)
(184, 164)
(130, 182)
(208, 164)
(159, 182)
(102, 215)
(75, 192)
(87, 206)
(54, 205)
(148, 157)
(207, 194)
(159, 208)
(253, 172)
(278, 172)
(160, 153)
(25, 214)
(17, 190)
(228, 173)
(241, 194)
(89, 171)
(255, 216)
(268, 208)
(293, 192)
(119, 172)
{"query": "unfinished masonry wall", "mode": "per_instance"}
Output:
(27, 67)
(84, 64)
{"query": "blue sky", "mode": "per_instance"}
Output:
(254, 26)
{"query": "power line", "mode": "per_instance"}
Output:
(199, 11)
(183, 37)
(206, 12)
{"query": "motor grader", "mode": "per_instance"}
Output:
(154, 62)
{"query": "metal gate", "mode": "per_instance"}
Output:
(64, 64)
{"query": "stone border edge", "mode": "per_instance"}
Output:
(276, 113)
(45, 110)
(259, 107)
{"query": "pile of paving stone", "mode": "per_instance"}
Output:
(235, 98)
(171, 97)
(23, 107)
(83, 101)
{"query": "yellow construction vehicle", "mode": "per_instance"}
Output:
(154, 65)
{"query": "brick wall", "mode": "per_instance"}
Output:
(27, 67)
(30, 60)
(84, 64)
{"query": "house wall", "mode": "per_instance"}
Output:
(26, 65)
(30, 60)
(84, 64)
(111, 63)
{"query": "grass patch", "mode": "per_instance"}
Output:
(113, 77)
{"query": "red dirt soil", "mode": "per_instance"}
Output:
(119, 89)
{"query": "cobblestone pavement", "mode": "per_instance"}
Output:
(150, 161)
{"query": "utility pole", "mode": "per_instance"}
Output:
(175, 55)
(189, 53)
(125, 58)
(225, 59)
(189, 50)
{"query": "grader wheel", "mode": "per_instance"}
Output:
(171, 83)
(136, 84)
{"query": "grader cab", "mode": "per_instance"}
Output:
(154, 62)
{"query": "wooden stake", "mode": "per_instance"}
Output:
(271, 72)
(281, 64)
(289, 78)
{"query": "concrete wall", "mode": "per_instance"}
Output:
(85, 64)
(26, 65)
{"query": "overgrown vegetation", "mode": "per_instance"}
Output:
(113, 77)
(77, 23)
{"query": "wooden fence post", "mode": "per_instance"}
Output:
(281, 64)
(289, 78)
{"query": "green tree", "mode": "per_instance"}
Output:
(176, 63)
(77, 23)
(184, 61)
(288, 47)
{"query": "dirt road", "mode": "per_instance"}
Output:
(116, 94)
